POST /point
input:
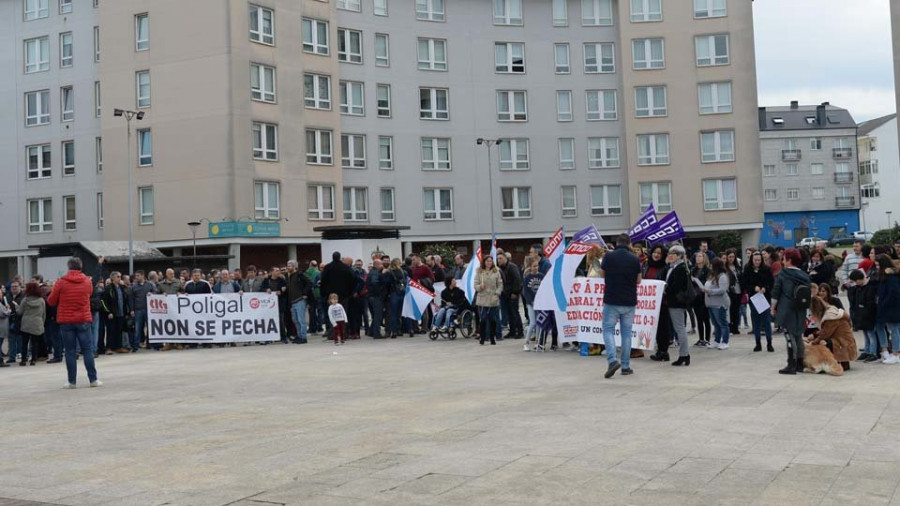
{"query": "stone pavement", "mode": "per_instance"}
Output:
(415, 422)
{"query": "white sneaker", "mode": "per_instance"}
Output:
(96, 383)
(723, 346)
(69, 386)
(885, 355)
(891, 359)
(710, 345)
(525, 348)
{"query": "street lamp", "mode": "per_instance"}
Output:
(129, 115)
(487, 143)
(194, 226)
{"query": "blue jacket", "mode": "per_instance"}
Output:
(218, 287)
(889, 298)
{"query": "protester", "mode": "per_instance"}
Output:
(338, 278)
(5, 311)
(115, 307)
(299, 289)
(226, 284)
(338, 318)
(699, 274)
(397, 282)
(137, 301)
(834, 331)
(377, 286)
(758, 279)
(718, 302)
(316, 315)
(452, 300)
(32, 312)
(509, 298)
(679, 294)
(530, 285)
(790, 300)
(888, 311)
(622, 272)
(72, 295)
(489, 286)
(276, 284)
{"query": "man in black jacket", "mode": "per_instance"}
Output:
(115, 307)
(338, 278)
(512, 289)
(299, 287)
(378, 285)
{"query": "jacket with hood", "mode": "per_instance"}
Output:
(791, 319)
(835, 327)
(72, 297)
(32, 312)
(889, 297)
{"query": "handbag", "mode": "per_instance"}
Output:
(687, 296)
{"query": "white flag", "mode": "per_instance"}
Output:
(416, 300)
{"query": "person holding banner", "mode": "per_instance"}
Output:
(488, 286)
(678, 295)
(530, 285)
(622, 272)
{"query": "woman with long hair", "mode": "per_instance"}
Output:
(758, 280)
(656, 263)
(827, 295)
(530, 284)
(716, 290)
(699, 275)
(488, 286)
(733, 269)
(32, 313)
(397, 283)
(888, 309)
(835, 331)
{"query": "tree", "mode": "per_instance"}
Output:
(727, 240)
(445, 250)
(887, 236)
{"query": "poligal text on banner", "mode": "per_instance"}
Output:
(213, 318)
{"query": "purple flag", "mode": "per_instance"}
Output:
(645, 225)
(667, 230)
(590, 235)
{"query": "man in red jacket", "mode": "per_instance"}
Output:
(72, 296)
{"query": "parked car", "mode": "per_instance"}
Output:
(865, 236)
(841, 240)
(809, 242)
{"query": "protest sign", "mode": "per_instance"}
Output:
(213, 318)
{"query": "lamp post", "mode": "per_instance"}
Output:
(129, 115)
(194, 225)
(890, 227)
(487, 143)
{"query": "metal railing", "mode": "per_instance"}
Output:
(842, 153)
(844, 201)
(843, 177)
(790, 155)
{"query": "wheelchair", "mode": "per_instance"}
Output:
(463, 322)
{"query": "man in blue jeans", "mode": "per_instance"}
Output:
(72, 296)
(298, 290)
(137, 300)
(622, 272)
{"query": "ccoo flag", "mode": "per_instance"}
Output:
(590, 235)
(668, 229)
(646, 224)
(416, 300)
(468, 279)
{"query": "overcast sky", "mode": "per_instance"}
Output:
(826, 50)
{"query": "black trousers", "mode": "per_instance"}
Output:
(114, 327)
(37, 344)
(376, 304)
(664, 331)
(704, 328)
(734, 312)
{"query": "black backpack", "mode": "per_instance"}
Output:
(399, 281)
(802, 296)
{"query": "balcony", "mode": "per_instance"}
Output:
(842, 202)
(842, 153)
(790, 155)
(843, 177)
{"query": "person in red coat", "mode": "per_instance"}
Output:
(72, 297)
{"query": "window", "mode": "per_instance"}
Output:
(434, 103)
(96, 44)
(37, 108)
(432, 54)
(601, 105)
(514, 154)
(646, 10)
(317, 91)
(815, 144)
(380, 7)
(650, 101)
(98, 148)
(569, 201)
(816, 169)
(321, 202)
(356, 206)
(717, 146)
(67, 103)
(65, 49)
(771, 195)
(142, 83)
(709, 8)
(37, 55)
(349, 5)
(719, 194)
(653, 149)
(793, 193)
(648, 54)
(566, 153)
(262, 83)
(509, 57)
(660, 194)
(712, 50)
(512, 106)
(100, 211)
(516, 202)
(141, 32)
(564, 105)
(561, 56)
(262, 26)
(560, 13)
(382, 50)
(596, 12)
(98, 109)
(818, 193)
(769, 170)
(599, 58)
(606, 200)
(69, 222)
(603, 152)
(315, 36)
(430, 10)
(352, 98)
(265, 197)
(508, 12)
(349, 45)
(36, 9)
(383, 100)
(145, 196)
(715, 98)
(388, 212)
(842, 168)
(436, 153)
(38, 162)
(68, 158)
(790, 169)
(789, 144)
(318, 147)
(145, 147)
(353, 151)
(40, 216)
(438, 204)
(65, 6)
(265, 141)
(385, 152)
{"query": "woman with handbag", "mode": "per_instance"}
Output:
(679, 294)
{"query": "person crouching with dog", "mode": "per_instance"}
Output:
(338, 318)
(834, 332)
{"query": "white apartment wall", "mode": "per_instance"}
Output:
(887, 154)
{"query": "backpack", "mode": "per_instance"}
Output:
(688, 296)
(399, 284)
(802, 296)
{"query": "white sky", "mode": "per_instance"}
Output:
(826, 50)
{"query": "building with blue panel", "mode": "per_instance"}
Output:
(788, 228)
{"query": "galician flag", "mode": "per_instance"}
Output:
(468, 278)
(552, 250)
(554, 290)
(416, 300)
(494, 248)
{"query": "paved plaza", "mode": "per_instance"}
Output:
(410, 421)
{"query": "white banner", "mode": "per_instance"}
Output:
(213, 318)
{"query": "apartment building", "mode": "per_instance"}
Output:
(879, 164)
(810, 182)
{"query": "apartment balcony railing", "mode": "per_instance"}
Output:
(843, 177)
(844, 201)
(842, 153)
(790, 155)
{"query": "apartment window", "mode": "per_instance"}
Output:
(383, 100)
(353, 151)
(67, 103)
(430, 10)
(265, 141)
(432, 54)
(142, 83)
(709, 8)
(508, 12)
(561, 57)
(560, 13)
(793, 193)
(96, 44)
(265, 197)
(768, 170)
(37, 55)
(37, 108)
(603, 152)
(606, 200)
(350, 5)
(98, 109)
(434, 103)
(717, 146)
(382, 50)
(771, 194)
(816, 169)
(569, 201)
(650, 101)
(69, 221)
(65, 49)
(601, 105)
(815, 144)
(789, 144)
(646, 10)
(142, 32)
(318, 147)
(145, 147)
(352, 102)
(842, 168)
(317, 91)
(68, 158)
(36, 9)
(516, 202)
(653, 149)
(388, 211)
(380, 7)
(385, 152)
(356, 206)
(262, 83)
(38, 162)
(436, 153)
(843, 143)
(100, 211)
(790, 169)
(315, 36)
(438, 204)
(564, 105)
(596, 12)
(719, 194)
(349, 46)
(514, 154)
(512, 106)
(659, 194)
(648, 54)
(145, 198)
(98, 153)
(566, 147)
(321, 202)
(599, 58)
(715, 98)
(40, 216)
(712, 50)
(819, 193)
(262, 26)
(509, 57)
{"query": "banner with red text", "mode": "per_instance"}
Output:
(213, 318)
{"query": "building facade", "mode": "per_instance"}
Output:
(879, 164)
